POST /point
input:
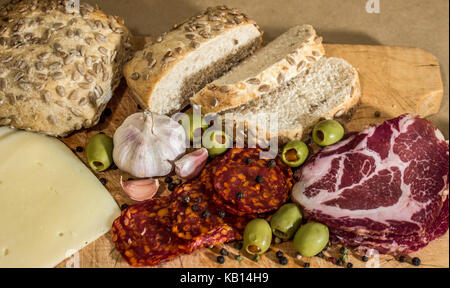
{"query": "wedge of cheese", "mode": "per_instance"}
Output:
(51, 205)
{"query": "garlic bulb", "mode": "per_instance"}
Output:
(140, 190)
(146, 143)
(190, 165)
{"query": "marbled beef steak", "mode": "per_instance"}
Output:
(385, 183)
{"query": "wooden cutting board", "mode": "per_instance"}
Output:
(394, 80)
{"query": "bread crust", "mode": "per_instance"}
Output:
(215, 99)
(58, 67)
(151, 64)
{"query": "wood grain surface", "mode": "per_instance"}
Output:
(394, 81)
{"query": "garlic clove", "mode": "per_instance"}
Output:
(190, 165)
(140, 190)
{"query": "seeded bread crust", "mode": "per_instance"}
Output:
(217, 99)
(58, 66)
(151, 64)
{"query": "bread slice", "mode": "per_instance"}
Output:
(271, 66)
(178, 64)
(327, 89)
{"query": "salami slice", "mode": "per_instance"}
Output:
(196, 217)
(142, 236)
(251, 184)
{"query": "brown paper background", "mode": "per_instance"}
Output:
(413, 23)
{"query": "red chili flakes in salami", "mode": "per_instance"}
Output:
(262, 188)
(142, 237)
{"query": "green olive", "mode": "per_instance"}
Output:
(286, 221)
(216, 142)
(327, 132)
(295, 153)
(194, 127)
(99, 152)
(257, 236)
(311, 238)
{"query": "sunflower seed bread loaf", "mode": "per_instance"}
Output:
(168, 71)
(328, 89)
(276, 63)
(58, 65)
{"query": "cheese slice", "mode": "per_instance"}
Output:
(51, 205)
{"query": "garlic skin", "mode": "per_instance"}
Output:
(146, 143)
(190, 165)
(140, 190)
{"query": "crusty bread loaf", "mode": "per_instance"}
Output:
(270, 67)
(58, 66)
(329, 88)
(178, 64)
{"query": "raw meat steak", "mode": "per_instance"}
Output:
(395, 244)
(390, 179)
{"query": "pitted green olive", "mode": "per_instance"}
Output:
(286, 221)
(99, 152)
(193, 125)
(216, 142)
(257, 236)
(295, 153)
(327, 132)
(311, 238)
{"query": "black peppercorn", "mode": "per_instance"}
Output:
(107, 112)
(402, 259)
(171, 187)
(272, 163)
(221, 213)
(220, 259)
(416, 261)
(168, 180)
(259, 179)
(103, 180)
(206, 214)
(123, 206)
(239, 195)
(279, 254)
(283, 260)
(349, 265)
(377, 114)
(339, 262)
(223, 252)
(365, 258)
(238, 245)
(248, 161)
(194, 208)
(186, 199)
(306, 265)
(79, 149)
(198, 199)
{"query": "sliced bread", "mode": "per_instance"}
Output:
(327, 89)
(178, 64)
(265, 71)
